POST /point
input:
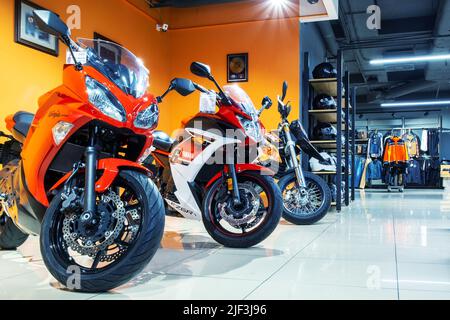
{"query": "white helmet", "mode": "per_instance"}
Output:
(328, 165)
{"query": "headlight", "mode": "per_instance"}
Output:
(60, 131)
(104, 100)
(252, 128)
(268, 153)
(148, 118)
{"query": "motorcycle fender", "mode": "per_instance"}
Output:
(110, 168)
(242, 168)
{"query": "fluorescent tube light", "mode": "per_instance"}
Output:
(417, 103)
(411, 59)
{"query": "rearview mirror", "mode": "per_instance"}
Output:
(285, 88)
(183, 86)
(49, 22)
(266, 103)
(201, 70)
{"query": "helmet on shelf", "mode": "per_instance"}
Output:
(325, 131)
(323, 102)
(324, 71)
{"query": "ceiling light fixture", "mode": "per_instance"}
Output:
(417, 103)
(410, 59)
(279, 4)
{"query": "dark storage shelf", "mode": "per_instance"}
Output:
(326, 86)
(325, 115)
(346, 100)
(325, 173)
(326, 144)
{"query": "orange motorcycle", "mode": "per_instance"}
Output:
(76, 180)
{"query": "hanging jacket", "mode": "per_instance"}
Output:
(424, 144)
(414, 173)
(412, 144)
(395, 151)
(374, 170)
(359, 169)
(375, 146)
(433, 142)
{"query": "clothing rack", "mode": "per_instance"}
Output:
(427, 176)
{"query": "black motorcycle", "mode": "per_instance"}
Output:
(306, 196)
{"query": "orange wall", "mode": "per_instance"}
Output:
(273, 48)
(26, 73)
(274, 51)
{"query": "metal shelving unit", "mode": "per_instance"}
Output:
(343, 117)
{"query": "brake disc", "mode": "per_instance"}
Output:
(91, 246)
(296, 197)
(255, 203)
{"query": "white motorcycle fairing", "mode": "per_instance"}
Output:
(186, 164)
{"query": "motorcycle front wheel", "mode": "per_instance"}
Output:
(308, 206)
(119, 241)
(249, 223)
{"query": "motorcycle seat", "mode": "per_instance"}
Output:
(22, 125)
(163, 141)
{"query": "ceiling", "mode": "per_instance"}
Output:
(408, 27)
(185, 14)
(185, 3)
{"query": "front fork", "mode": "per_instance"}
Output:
(290, 150)
(90, 196)
(235, 185)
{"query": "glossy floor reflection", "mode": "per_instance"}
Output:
(385, 246)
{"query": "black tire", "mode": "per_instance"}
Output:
(318, 213)
(139, 254)
(266, 228)
(10, 236)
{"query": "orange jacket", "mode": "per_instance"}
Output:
(395, 151)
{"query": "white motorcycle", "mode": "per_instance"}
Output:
(238, 201)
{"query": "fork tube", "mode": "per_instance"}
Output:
(290, 146)
(236, 195)
(90, 174)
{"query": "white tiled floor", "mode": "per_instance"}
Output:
(386, 246)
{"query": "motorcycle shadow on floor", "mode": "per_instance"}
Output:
(184, 250)
(210, 265)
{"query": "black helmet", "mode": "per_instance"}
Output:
(324, 101)
(324, 71)
(325, 131)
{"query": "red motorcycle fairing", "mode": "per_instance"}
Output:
(241, 168)
(223, 120)
(69, 103)
(111, 168)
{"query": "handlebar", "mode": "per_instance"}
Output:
(200, 88)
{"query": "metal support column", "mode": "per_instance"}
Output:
(339, 132)
(304, 108)
(347, 124)
(354, 137)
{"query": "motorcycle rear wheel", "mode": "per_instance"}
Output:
(319, 199)
(10, 236)
(139, 238)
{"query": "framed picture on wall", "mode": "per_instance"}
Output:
(28, 34)
(237, 67)
(106, 50)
